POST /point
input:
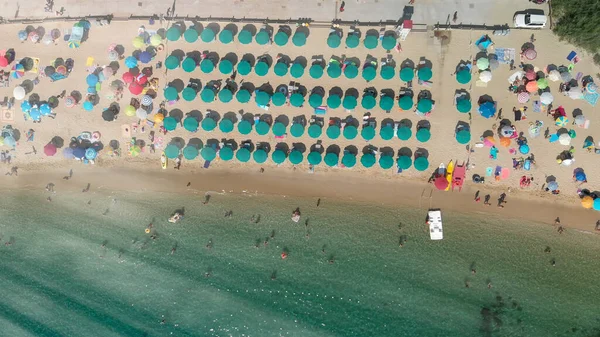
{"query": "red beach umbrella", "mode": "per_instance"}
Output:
(127, 77)
(531, 86)
(136, 88)
(3, 61)
(441, 183)
(142, 79)
(50, 150)
(61, 70)
(530, 75)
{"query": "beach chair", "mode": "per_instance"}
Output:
(458, 176)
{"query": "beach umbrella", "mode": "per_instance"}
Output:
(22, 34)
(208, 124)
(552, 186)
(190, 124)
(146, 100)
(407, 74)
(561, 121)
(156, 40)
(368, 102)
(596, 205)
(45, 110)
(315, 130)
(349, 160)
(334, 40)
(260, 156)
(191, 35)
(386, 162)
(279, 129)
(331, 159)
(10, 141)
(367, 160)
(173, 33)
(524, 149)
(188, 65)
(25, 106)
(299, 39)
(489, 141)
(349, 102)
(334, 70)
(172, 62)
(262, 37)
(314, 158)
(463, 105)
(441, 183)
(386, 132)
(587, 202)
(207, 95)
(225, 95)
(190, 152)
(79, 153)
(405, 103)
(244, 68)
(530, 75)
(424, 74)
(404, 162)
(169, 123)
(463, 76)
(297, 70)
(113, 55)
(3, 61)
(546, 98)
(226, 36)
(334, 101)
(296, 157)
(531, 86)
(388, 42)
(387, 72)
(244, 127)
(352, 41)
(207, 35)
(368, 132)
(351, 71)
(575, 93)
(554, 75)
(134, 151)
(579, 119)
(226, 153)
(278, 157)
(208, 153)
(50, 149)
(135, 88)
(225, 67)
(542, 83)
(315, 100)
(333, 131)
(33, 37)
(18, 71)
(369, 73)
(128, 77)
(386, 103)
(483, 63)
(90, 153)
(463, 137)
(371, 42)
(281, 38)
(280, 69)
(189, 94)
(243, 96)
(278, 98)
(68, 153)
(226, 125)
(145, 57)
(580, 176)
(504, 141)
(171, 151)
(170, 93)
(207, 66)
(19, 93)
(564, 139)
(316, 71)
(108, 115)
(69, 102)
(523, 97)
(296, 100)
(262, 98)
(262, 128)
(297, 130)
(350, 132)
(530, 54)
(485, 76)
(487, 109)
(424, 105)
(245, 36)
(88, 106)
(261, 68)
(421, 164)
(404, 133)
(131, 62)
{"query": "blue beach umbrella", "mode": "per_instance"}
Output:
(25, 106)
(487, 109)
(45, 110)
(90, 154)
(131, 62)
(91, 80)
(88, 106)
(35, 114)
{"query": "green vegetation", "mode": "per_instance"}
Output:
(578, 22)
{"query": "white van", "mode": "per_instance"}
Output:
(530, 20)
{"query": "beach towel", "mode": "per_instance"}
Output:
(207, 164)
(571, 55)
(537, 106)
(489, 171)
(481, 84)
(591, 98)
(505, 55)
(57, 77)
(36, 65)
(517, 115)
(89, 62)
(505, 173)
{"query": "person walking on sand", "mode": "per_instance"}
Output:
(477, 198)
(342, 6)
(501, 200)
(486, 200)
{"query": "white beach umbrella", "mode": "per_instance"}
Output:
(564, 139)
(141, 113)
(567, 162)
(47, 39)
(580, 120)
(523, 97)
(554, 75)
(518, 75)
(19, 92)
(575, 93)
(485, 76)
(146, 100)
(546, 98)
(507, 131)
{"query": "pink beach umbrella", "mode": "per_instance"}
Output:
(489, 141)
(523, 97)
(33, 37)
(530, 54)
(530, 75)
(50, 150)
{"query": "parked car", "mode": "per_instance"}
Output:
(527, 20)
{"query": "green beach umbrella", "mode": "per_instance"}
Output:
(404, 133)
(349, 160)
(421, 164)
(208, 153)
(404, 162)
(423, 135)
(278, 99)
(405, 103)
(278, 157)
(225, 95)
(243, 96)
(189, 94)
(226, 36)
(169, 123)
(190, 124)
(244, 127)
(226, 153)
(297, 70)
(350, 132)
(315, 100)
(334, 101)
(171, 151)
(262, 98)
(279, 129)
(368, 102)
(463, 105)
(172, 62)
(260, 156)
(207, 35)
(314, 158)
(542, 83)
(208, 124)
(386, 162)
(170, 93)
(207, 66)
(351, 71)
(463, 137)
(188, 65)
(243, 155)
(297, 130)
(315, 130)
(225, 67)
(334, 70)
(368, 132)
(207, 95)
(262, 37)
(388, 42)
(280, 69)
(262, 128)
(367, 160)
(425, 74)
(333, 131)
(334, 40)
(483, 63)
(386, 132)
(352, 41)
(299, 39)
(245, 36)
(331, 159)
(349, 102)
(190, 152)
(387, 72)
(386, 103)
(463, 76)
(226, 125)
(296, 157)
(369, 73)
(371, 42)
(244, 68)
(296, 100)
(190, 35)
(261, 68)
(281, 38)
(173, 33)
(316, 71)
(407, 74)
(424, 105)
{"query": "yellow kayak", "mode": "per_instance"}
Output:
(449, 170)
(164, 161)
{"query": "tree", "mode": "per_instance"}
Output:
(578, 22)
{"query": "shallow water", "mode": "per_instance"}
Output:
(58, 280)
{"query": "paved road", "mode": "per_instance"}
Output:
(425, 11)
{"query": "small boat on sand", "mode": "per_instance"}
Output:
(434, 220)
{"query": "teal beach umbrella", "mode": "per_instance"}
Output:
(226, 125)
(463, 76)
(278, 99)
(316, 71)
(297, 70)
(369, 73)
(244, 127)
(333, 131)
(425, 74)
(421, 164)
(190, 35)
(245, 36)
(299, 39)
(172, 62)
(405, 103)
(226, 36)
(260, 156)
(170, 93)
(368, 102)
(207, 95)
(261, 68)
(296, 157)
(349, 102)
(386, 162)
(350, 132)
(225, 95)
(334, 70)
(190, 124)
(173, 33)
(368, 132)
(407, 74)
(296, 100)
(262, 128)
(226, 153)
(386, 103)
(190, 152)
(463, 137)
(207, 66)
(349, 160)
(208, 153)
(262, 37)
(463, 105)
(225, 67)
(387, 72)
(189, 94)
(334, 101)
(262, 98)
(172, 151)
(243, 155)
(388, 42)
(315, 130)
(170, 123)
(281, 38)
(331, 159)
(351, 71)
(367, 160)
(423, 135)
(371, 42)
(297, 130)
(280, 69)
(404, 133)
(315, 100)
(207, 35)
(244, 68)
(386, 132)
(208, 124)
(404, 162)
(334, 40)
(352, 41)
(243, 96)
(314, 158)
(188, 65)
(278, 157)
(424, 105)
(279, 129)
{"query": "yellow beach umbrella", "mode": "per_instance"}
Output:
(158, 118)
(587, 202)
(156, 40)
(135, 151)
(138, 42)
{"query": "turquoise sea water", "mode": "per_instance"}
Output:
(58, 280)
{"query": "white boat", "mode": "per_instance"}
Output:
(176, 217)
(434, 220)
